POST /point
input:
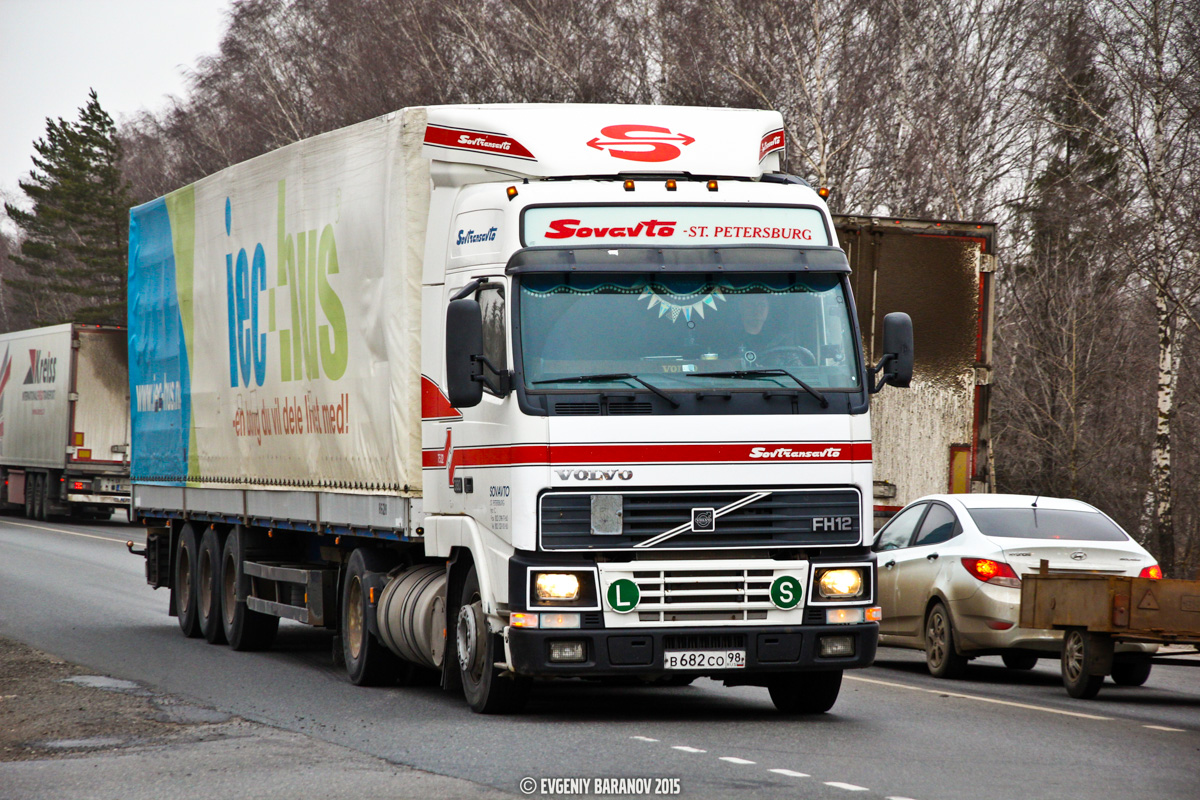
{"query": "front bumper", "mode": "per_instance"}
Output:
(639, 651)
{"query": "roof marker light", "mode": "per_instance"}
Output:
(628, 185)
(671, 185)
(712, 186)
(511, 192)
(823, 192)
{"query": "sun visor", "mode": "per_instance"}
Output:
(544, 140)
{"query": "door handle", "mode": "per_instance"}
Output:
(890, 564)
(932, 556)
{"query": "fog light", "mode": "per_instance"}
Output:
(560, 620)
(837, 646)
(557, 586)
(840, 583)
(521, 620)
(843, 616)
(566, 651)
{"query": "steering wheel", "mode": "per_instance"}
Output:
(788, 356)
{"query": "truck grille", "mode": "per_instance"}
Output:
(704, 595)
(756, 519)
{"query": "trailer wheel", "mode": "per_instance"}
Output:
(805, 692)
(1131, 670)
(29, 496)
(1019, 661)
(368, 661)
(1075, 657)
(244, 629)
(184, 585)
(941, 658)
(39, 497)
(208, 586)
(486, 689)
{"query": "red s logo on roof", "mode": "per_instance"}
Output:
(646, 142)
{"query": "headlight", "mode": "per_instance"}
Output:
(840, 583)
(556, 586)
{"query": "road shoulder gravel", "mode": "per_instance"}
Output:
(66, 732)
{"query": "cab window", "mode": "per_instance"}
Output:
(898, 532)
(939, 526)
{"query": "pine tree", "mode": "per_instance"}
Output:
(73, 250)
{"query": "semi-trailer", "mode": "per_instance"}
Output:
(64, 421)
(512, 392)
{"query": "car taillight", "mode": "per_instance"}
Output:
(994, 572)
(1153, 572)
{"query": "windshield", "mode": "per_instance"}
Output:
(687, 332)
(1046, 523)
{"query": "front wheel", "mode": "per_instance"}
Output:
(1075, 656)
(487, 690)
(941, 658)
(805, 692)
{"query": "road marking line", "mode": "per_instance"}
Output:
(790, 773)
(643, 738)
(735, 760)
(980, 699)
(1163, 728)
(899, 798)
(62, 530)
(849, 787)
(687, 749)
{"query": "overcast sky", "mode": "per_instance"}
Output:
(134, 53)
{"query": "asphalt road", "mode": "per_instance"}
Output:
(74, 591)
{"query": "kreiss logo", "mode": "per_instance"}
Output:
(641, 142)
(314, 345)
(42, 368)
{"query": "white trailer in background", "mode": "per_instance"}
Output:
(64, 421)
(510, 392)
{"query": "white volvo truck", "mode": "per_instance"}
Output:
(514, 392)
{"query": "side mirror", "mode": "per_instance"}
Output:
(896, 365)
(464, 345)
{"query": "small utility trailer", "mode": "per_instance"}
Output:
(1097, 611)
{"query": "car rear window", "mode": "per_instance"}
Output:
(1046, 523)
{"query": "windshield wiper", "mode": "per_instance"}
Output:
(626, 376)
(762, 373)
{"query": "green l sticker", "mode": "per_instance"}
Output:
(623, 595)
(786, 591)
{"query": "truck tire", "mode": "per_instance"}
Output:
(805, 692)
(368, 661)
(39, 497)
(244, 629)
(208, 586)
(1131, 670)
(1075, 656)
(486, 689)
(184, 586)
(941, 658)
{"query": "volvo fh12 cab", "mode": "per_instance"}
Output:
(515, 392)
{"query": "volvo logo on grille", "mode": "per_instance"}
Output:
(1078, 555)
(703, 519)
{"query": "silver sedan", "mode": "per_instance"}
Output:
(950, 570)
